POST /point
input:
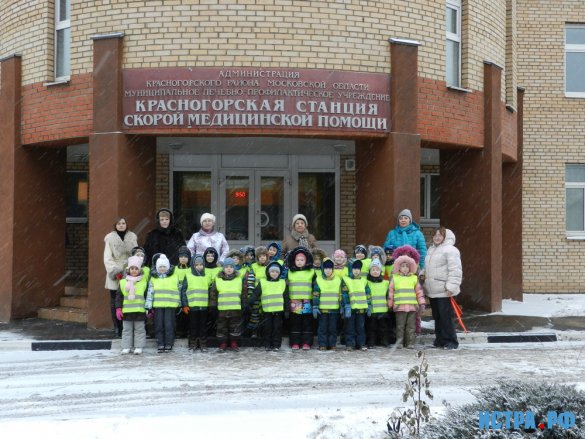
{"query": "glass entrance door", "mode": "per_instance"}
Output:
(254, 206)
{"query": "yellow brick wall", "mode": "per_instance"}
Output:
(331, 34)
(553, 136)
(26, 27)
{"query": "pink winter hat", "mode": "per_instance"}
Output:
(339, 254)
(407, 250)
(401, 260)
(134, 261)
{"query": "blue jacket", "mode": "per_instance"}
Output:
(411, 235)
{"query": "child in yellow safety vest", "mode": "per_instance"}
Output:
(300, 288)
(273, 296)
(130, 300)
(165, 296)
(360, 253)
(196, 285)
(406, 298)
(226, 293)
(256, 272)
(326, 301)
(377, 324)
(356, 302)
(182, 268)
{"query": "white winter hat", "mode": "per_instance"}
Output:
(162, 261)
(299, 216)
(206, 216)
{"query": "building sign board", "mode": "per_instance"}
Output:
(202, 99)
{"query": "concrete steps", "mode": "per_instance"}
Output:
(72, 307)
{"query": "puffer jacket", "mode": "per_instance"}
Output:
(443, 270)
(410, 235)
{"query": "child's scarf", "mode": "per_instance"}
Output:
(130, 285)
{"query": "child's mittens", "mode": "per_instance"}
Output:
(347, 310)
(118, 276)
(119, 314)
(149, 313)
(316, 312)
(186, 309)
(307, 307)
(421, 308)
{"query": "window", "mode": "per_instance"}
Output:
(191, 199)
(317, 203)
(575, 200)
(575, 60)
(77, 196)
(430, 201)
(453, 43)
(62, 39)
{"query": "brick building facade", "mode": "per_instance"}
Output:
(472, 115)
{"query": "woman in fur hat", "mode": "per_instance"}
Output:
(118, 248)
(299, 235)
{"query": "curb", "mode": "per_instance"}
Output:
(425, 339)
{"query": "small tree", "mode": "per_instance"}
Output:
(416, 388)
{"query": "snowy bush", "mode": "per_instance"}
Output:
(537, 398)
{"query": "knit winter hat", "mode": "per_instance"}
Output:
(134, 261)
(376, 263)
(360, 248)
(207, 216)
(136, 250)
(235, 253)
(162, 261)
(327, 263)
(357, 264)
(184, 251)
(406, 212)
(229, 262)
(274, 267)
(339, 254)
(299, 216)
(198, 259)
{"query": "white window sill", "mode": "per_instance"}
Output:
(58, 81)
(575, 236)
(453, 87)
(571, 94)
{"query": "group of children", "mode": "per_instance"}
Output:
(371, 299)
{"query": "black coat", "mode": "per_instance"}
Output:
(165, 241)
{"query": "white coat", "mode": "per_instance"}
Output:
(443, 270)
(116, 254)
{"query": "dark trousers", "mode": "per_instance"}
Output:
(164, 326)
(355, 331)
(327, 329)
(377, 331)
(229, 326)
(445, 334)
(198, 325)
(301, 329)
(272, 329)
(118, 325)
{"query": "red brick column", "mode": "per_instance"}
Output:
(388, 171)
(121, 172)
(33, 210)
(512, 215)
(471, 204)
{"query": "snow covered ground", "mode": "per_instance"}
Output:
(255, 394)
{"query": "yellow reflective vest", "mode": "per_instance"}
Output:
(166, 291)
(197, 290)
(330, 295)
(229, 294)
(379, 295)
(140, 288)
(211, 273)
(357, 292)
(300, 284)
(259, 272)
(405, 289)
(272, 298)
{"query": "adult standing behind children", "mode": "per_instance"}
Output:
(207, 237)
(442, 279)
(164, 238)
(299, 235)
(407, 232)
(118, 248)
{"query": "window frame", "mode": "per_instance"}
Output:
(427, 177)
(574, 234)
(61, 25)
(453, 37)
(573, 48)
